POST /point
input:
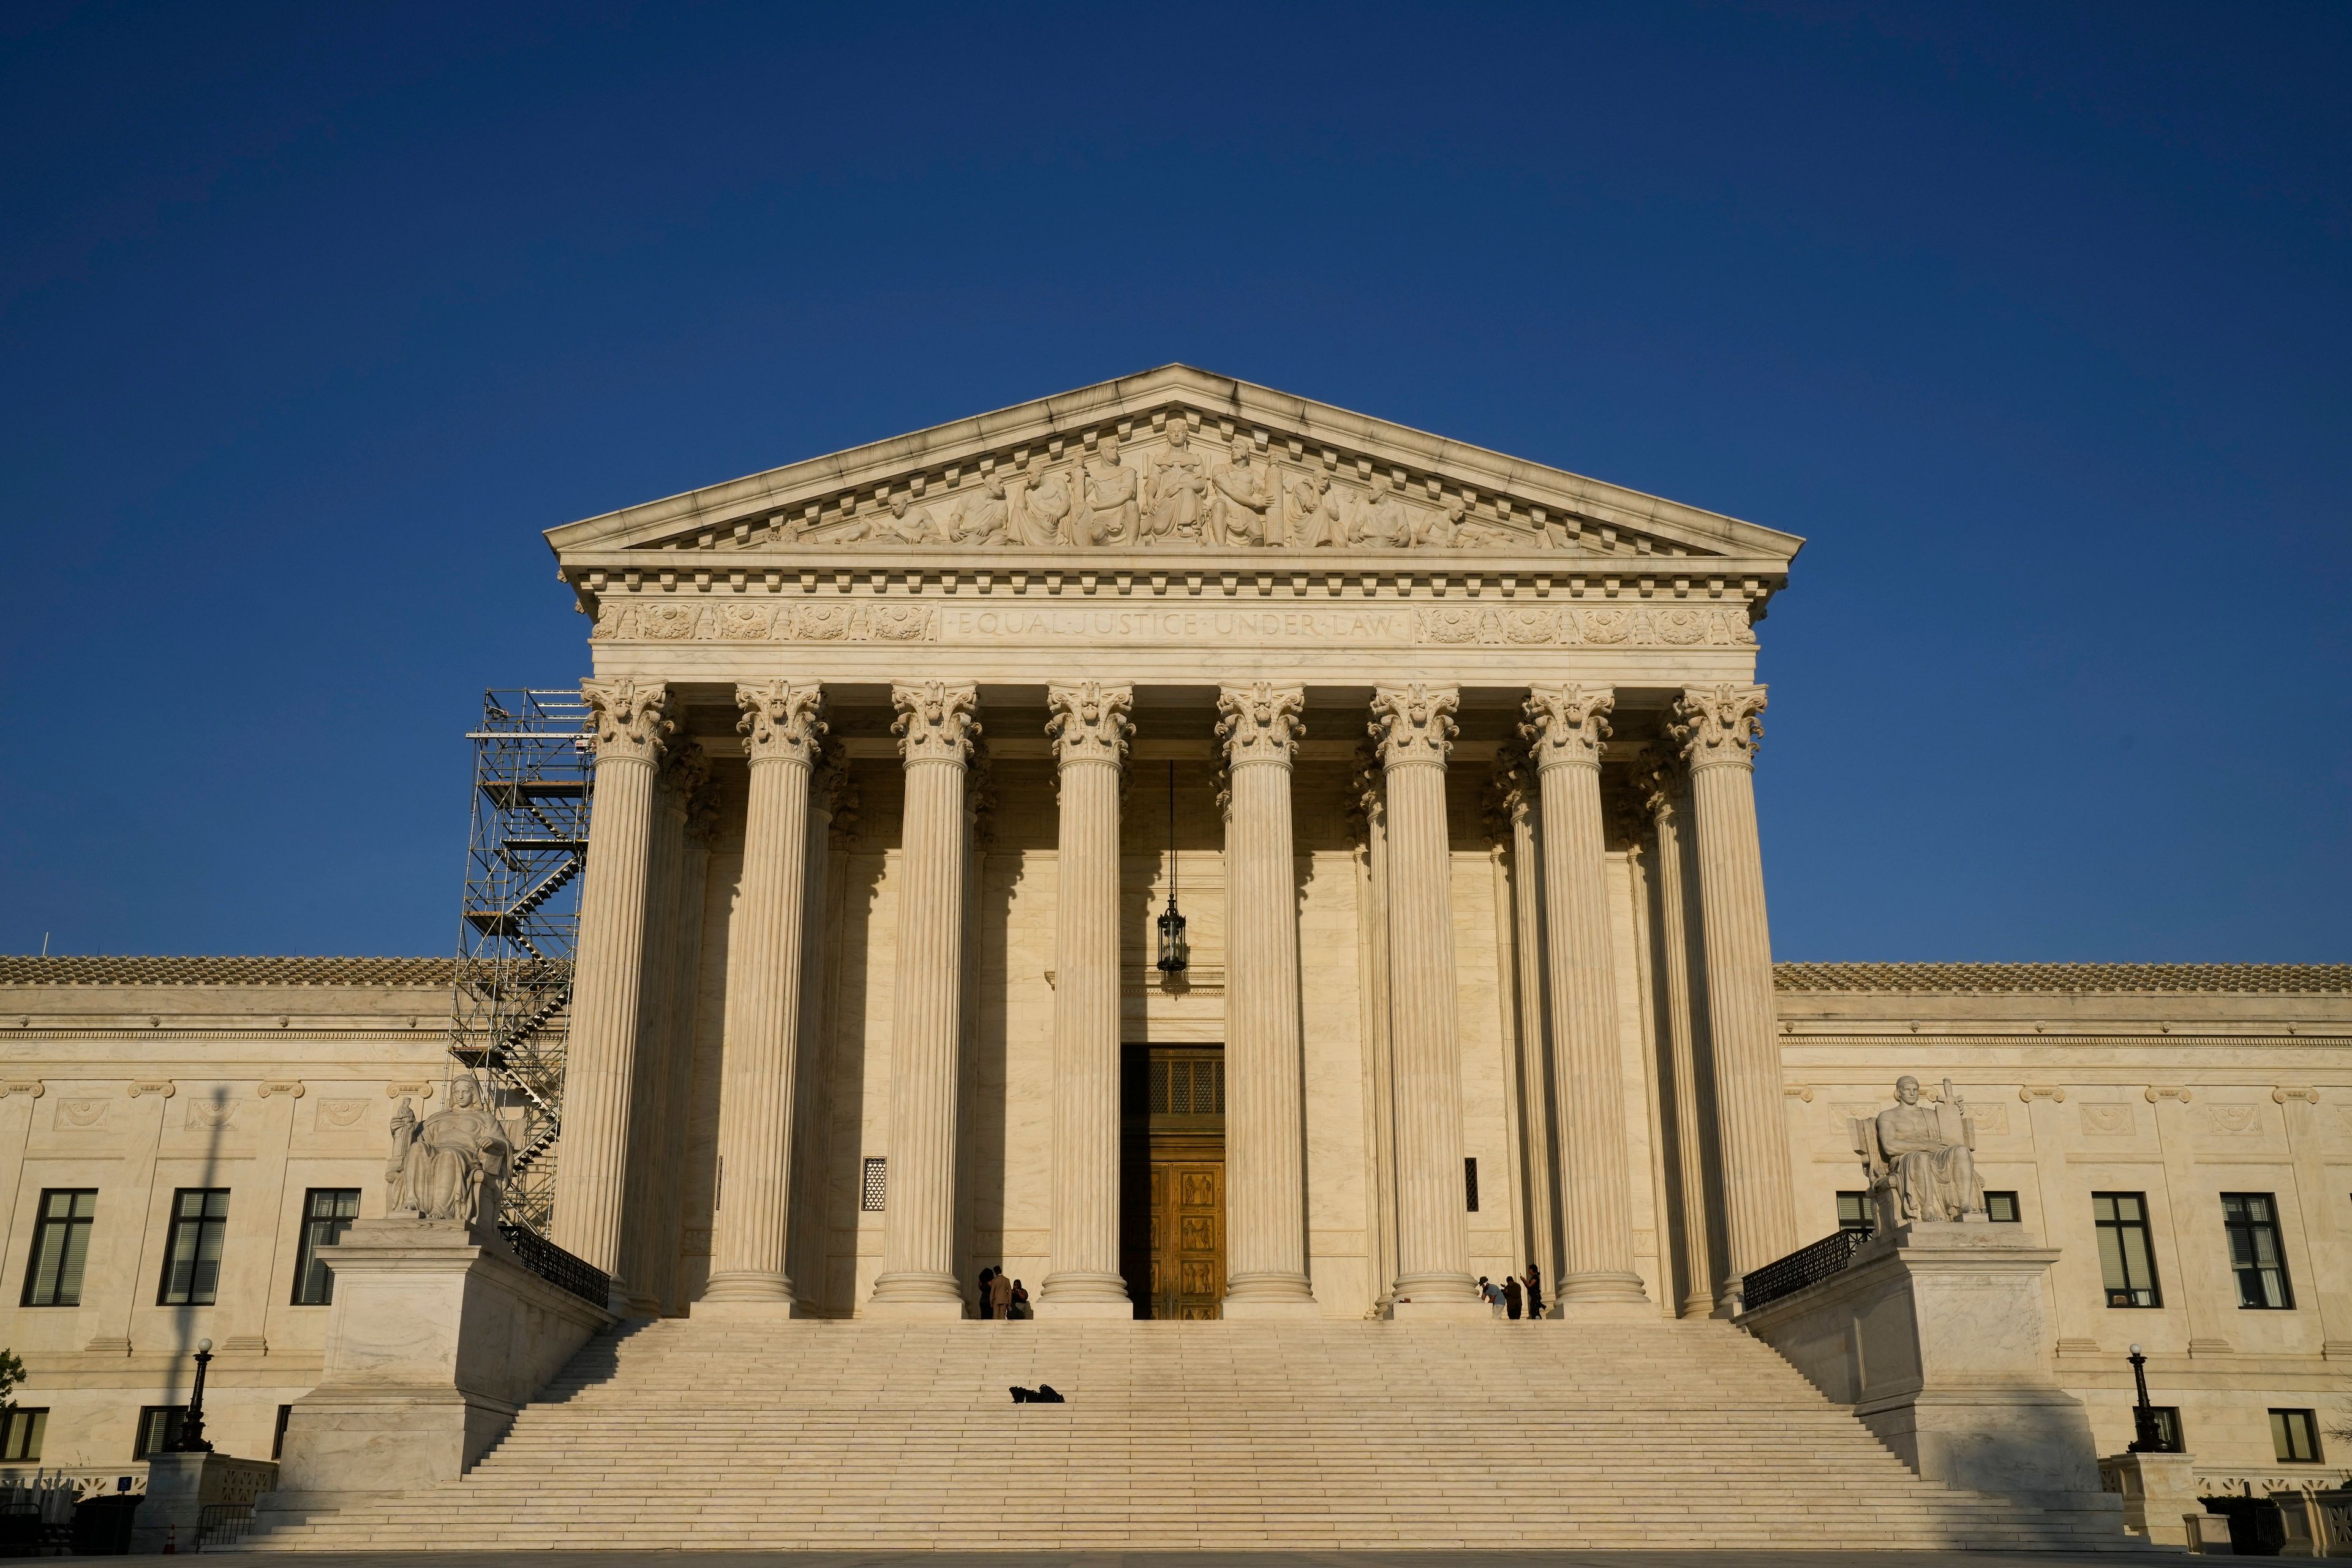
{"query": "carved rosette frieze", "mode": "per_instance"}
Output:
(1717, 725)
(1260, 722)
(782, 722)
(1415, 724)
(1566, 724)
(938, 721)
(1089, 723)
(629, 719)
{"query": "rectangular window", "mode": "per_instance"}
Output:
(2295, 1435)
(2127, 1262)
(2256, 1255)
(20, 1434)
(877, 1188)
(60, 1247)
(327, 1213)
(1470, 1183)
(192, 1266)
(159, 1428)
(2001, 1208)
(1854, 1212)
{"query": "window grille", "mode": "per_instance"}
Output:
(327, 1213)
(1187, 1085)
(876, 1190)
(60, 1247)
(1470, 1182)
(192, 1266)
(2257, 1254)
(2127, 1262)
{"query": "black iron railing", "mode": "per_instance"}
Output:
(220, 1525)
(1824, 1259)
(557, 1267)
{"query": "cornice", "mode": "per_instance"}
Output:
(1501, 493)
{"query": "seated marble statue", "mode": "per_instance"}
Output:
(441, 1168)
(1922, 1158)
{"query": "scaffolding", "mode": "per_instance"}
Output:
(527, 849)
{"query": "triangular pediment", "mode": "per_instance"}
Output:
(1173, 459)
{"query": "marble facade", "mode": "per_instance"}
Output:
(1447, 758)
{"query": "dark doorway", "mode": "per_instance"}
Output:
(1173, 1180)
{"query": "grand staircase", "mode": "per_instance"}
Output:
(749, 1433)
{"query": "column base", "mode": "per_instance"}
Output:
(1610, 1310)
(1069, 1293)
(1604, 1298)
(1449, 1297)
(1260, 1308)
(1449, 1311)
(731, 1311)
(748, 1286)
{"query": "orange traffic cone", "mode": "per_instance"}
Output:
(171, 1538)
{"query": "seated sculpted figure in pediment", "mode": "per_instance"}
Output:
(1921, 1157)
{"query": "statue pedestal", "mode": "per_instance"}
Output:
(1938, 1336)
(2159, 1490)
(434, 1342)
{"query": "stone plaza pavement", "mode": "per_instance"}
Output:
(953, 1559)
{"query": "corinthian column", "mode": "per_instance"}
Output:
(1565, 727)
(1717, 728)
(1089, 726)
(1415, 725)
(1521, 819)
(631, 724)
(1265, 1156)
(936, 728)
(760, 1053)
(1690, 1114)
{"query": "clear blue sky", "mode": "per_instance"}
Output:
(2033, 318)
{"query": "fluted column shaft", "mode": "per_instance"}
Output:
(1670, 809)
(645, 1230)
(760, 1055)
(1415, 726)
(936, 727)
(1717, 729)
(1089, 725)
(1540, 1141)
(1265, 1128)
(631, 725)
(1566, 725)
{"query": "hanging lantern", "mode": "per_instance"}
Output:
(1172, 956)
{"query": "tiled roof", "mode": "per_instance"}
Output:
(2252, 979)
(437, 973)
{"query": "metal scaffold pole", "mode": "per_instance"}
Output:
(528, 848)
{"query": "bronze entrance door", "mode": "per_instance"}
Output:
(1173, 1234)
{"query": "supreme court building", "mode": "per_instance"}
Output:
(904, 759)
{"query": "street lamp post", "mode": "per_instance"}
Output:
(2148, 1437)
(192, 1429)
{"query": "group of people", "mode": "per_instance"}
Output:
(1518, 1296)
(1002, 1297)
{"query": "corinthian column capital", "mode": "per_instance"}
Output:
(1414, 723)
(1566, 724)
(629, 717)
(1089, 723)
(1260, 722)
(782, 722)
(937, 722)
(1716, 725)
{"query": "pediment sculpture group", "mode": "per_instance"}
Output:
(1176, 496)
(1920, 1157)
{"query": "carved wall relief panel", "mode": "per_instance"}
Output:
(2107, 1119)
